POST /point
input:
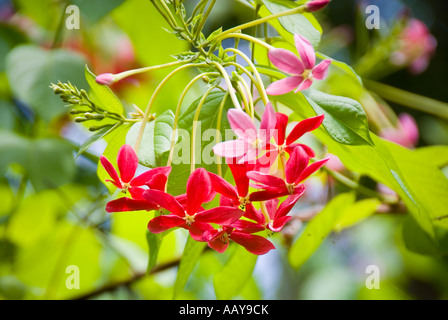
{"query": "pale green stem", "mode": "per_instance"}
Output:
(193, 130)
(177, 114)
(125, 74)
(153, 97)
(261, 88)
(409, 99)
(247, 38)
(218, 128)
(253, 23)
(249, 100)
(229, 85)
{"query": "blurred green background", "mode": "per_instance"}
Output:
(52, 205)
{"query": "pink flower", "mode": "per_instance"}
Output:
(303, 71)
(416, 47)
(218, 239)
(316, 5)
(250, 140)
(191, 217)
(405, 134)
(105, 79)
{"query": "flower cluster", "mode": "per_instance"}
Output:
(246, 208)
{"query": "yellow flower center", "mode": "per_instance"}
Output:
(307, 74)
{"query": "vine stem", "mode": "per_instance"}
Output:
(218, 129)
(128, 73)
(300, 9)
(194, 128)
(260, 86)
(229, 85)
(177, 114)
(153, 97)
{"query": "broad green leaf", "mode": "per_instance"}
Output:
(318, 229)
(345, 119)
(356, 213)
(155, 141)
(436, 155)
(31, 70)
(206, 136)
(192, 251)
(48, 162)
(304, 24)
(233, 276)
(102, 95)
(94, 10)
(419, 241)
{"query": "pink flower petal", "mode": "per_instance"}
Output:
(320, 71)
(286, 61)
(111, 171)
(127, 163)
(409, 128)
(268, 122)
(303, 127)
(283, 86)
(304, 85)
(305, 50)
(231, 148)
(241, 123)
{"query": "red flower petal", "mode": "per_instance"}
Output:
(111, 171)
(128, 204)
(199, 188)
(127, 163)
(266, 179)
(223, 187)
(219, 215)
(239, 171)
(166, 201)
(253, 243)
(146, 177)
(287, 205)
(312, 168)
(295, 165)
(303, 127)
(163, 223)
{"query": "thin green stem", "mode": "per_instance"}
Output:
(154, 96)
(128, 73)
(229, 85)
(218, 128)
(194, 128)
(204, 19)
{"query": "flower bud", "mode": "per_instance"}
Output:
(316, 5)
(105, 79)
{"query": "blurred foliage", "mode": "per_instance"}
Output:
(52, 210)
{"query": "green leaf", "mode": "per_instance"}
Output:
(94, 10)
(102, 95)
(233, 276)
(206, 128)
(31, 70)
(154, 241)
(304, 24)
(48, 162)
(345, 119)
(155, 141)
(318, 229)
(356, 213)
(192, 251)
(100, 134)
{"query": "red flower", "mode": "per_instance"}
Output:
(218, 239)
(127, 165)
(288, 144)
(296, 171)
(193, 217)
